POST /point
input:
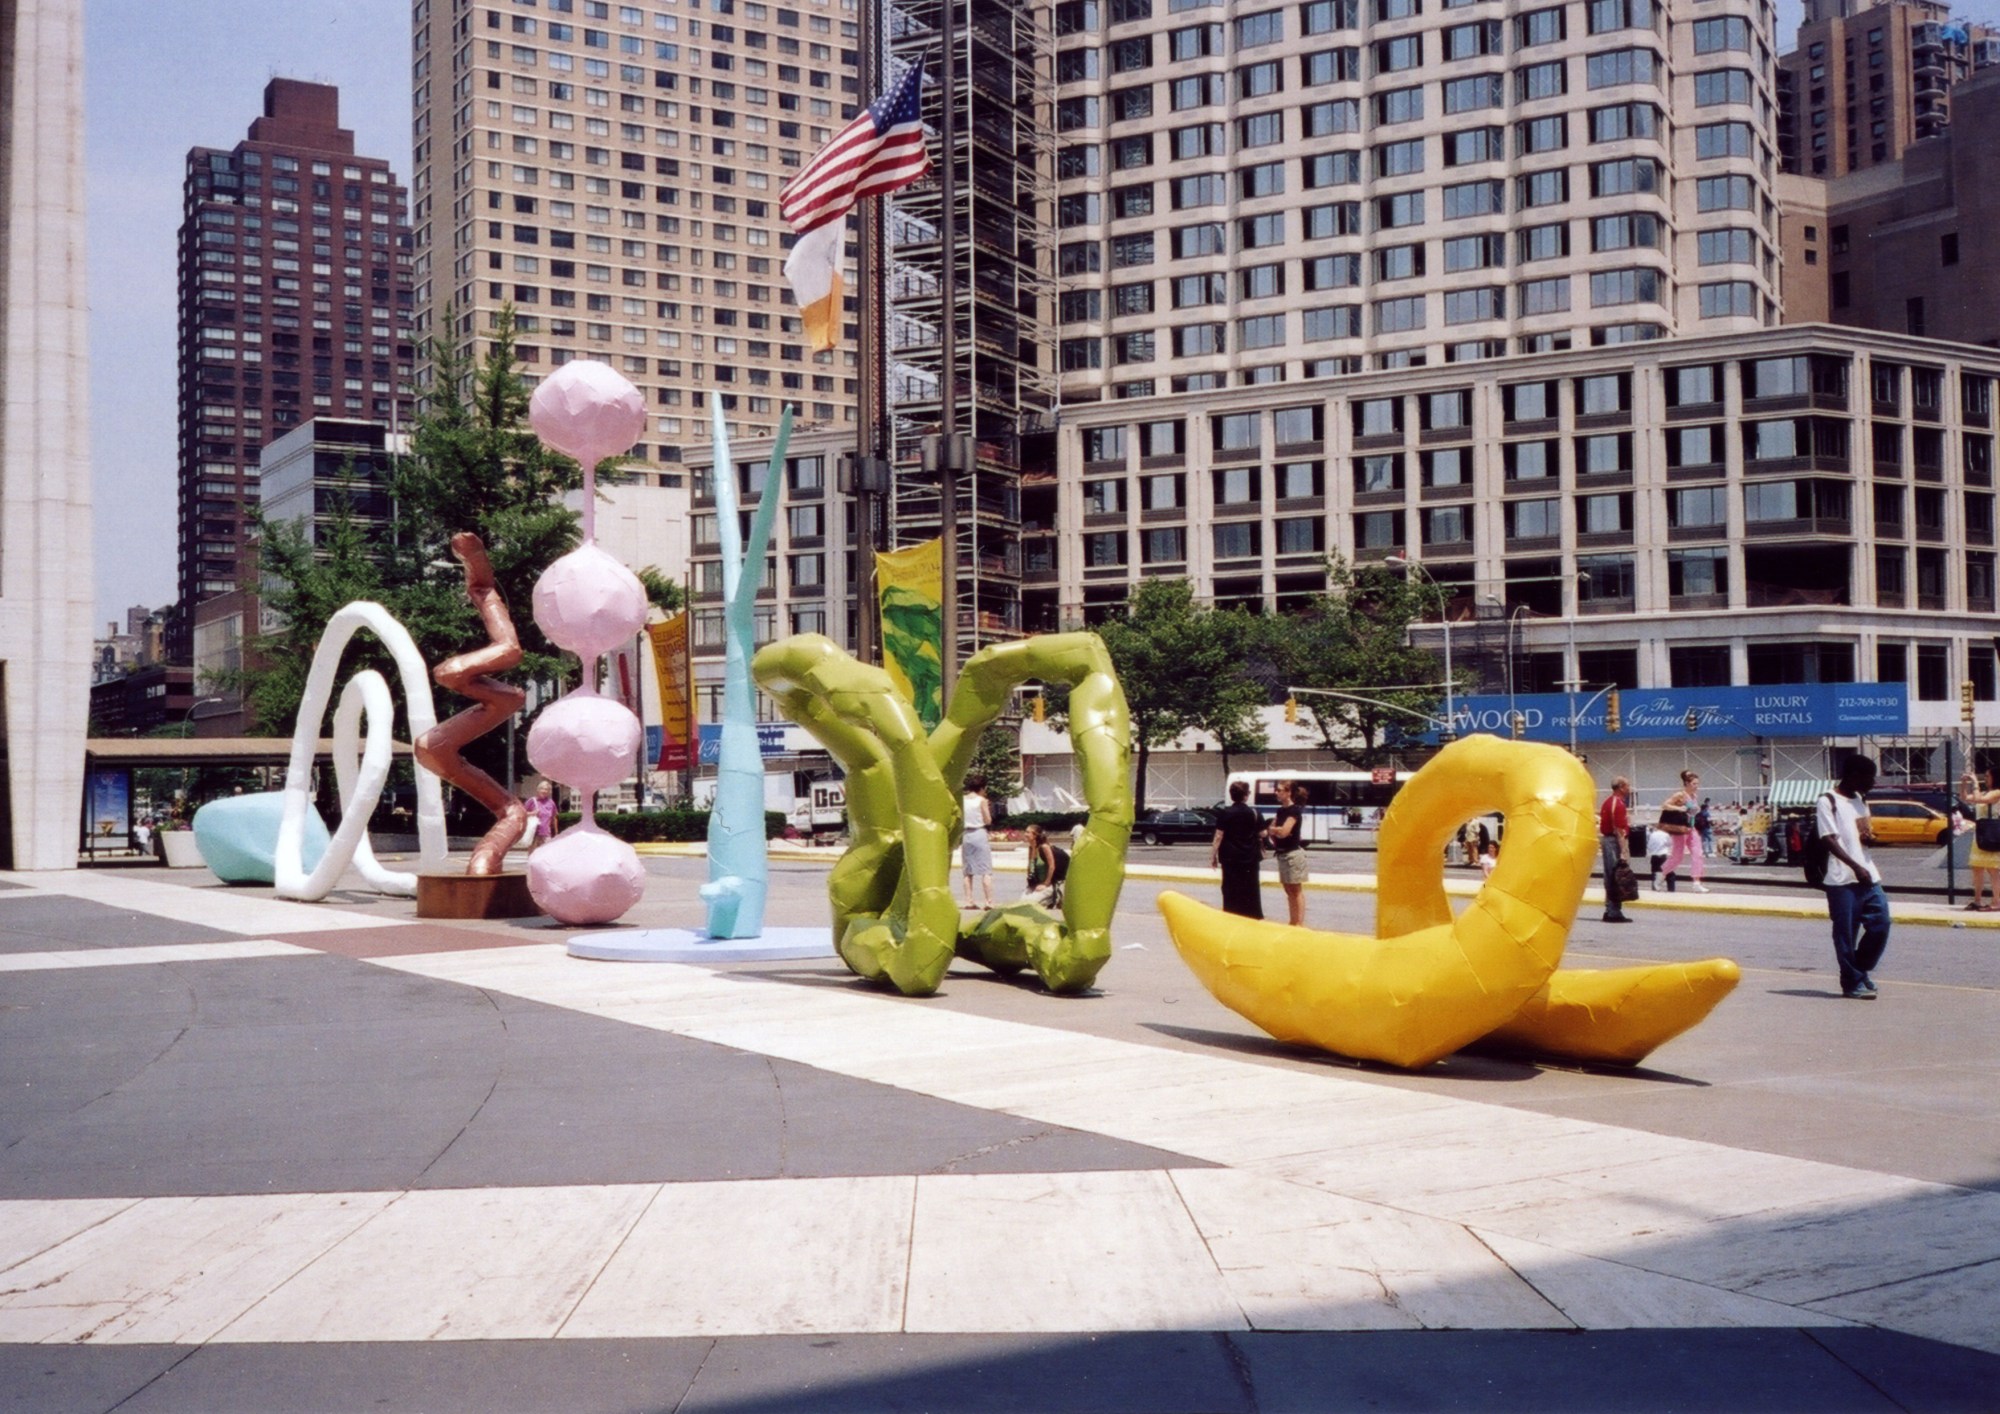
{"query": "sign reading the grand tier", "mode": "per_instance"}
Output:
(1819, 709)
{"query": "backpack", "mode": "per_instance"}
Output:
(1813, 852)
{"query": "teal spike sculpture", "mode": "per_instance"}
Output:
(738, 870)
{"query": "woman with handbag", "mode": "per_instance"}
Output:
(1985, 857)
(1677, 819)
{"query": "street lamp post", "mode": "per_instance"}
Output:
(1400, 561)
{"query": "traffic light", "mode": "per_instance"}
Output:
(1693, 720)
(1517, 723)
(1291, 711)
(1965, 699)
(1612, 721)
(1041, 708)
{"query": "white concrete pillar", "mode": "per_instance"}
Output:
(46, 593)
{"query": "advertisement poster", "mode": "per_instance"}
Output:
(912, 589)
(670, 669)
(108, 812)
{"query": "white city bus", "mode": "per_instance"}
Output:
(1339, 800)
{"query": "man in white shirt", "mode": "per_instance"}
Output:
(1854, 898)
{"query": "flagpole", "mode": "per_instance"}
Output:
(691, 691)
(868, 386)
(948, 467)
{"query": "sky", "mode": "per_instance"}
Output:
(159, 79)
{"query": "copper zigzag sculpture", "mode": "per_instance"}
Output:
(438, 749)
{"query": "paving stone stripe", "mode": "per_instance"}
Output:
(1738, 1220)
(148, 956)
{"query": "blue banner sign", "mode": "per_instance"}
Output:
(770, 741)
(1819, 709)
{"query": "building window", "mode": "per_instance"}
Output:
(1728, 299)
(1164, 545)
(1395, 316)
(1534, 520)
(1376, 474)
(1530, 461)
(1238, 540)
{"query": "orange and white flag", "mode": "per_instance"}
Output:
(813, 268)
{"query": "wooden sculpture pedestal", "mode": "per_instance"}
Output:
(503, 895)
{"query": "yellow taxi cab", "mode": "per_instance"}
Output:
(1907, 822)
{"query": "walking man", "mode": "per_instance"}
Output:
(1616, 845)
(1854, 898)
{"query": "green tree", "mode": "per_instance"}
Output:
(1182, 666)
(998, 757)
(662, 591)
(475, 465)
(1355, 638)
(1225, 703)
(305, 582)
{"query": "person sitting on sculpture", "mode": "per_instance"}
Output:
(1047, 865)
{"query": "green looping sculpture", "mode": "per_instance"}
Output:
(894, 917)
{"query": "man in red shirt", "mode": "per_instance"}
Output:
(1612, 824)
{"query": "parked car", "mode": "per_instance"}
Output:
(1175, 827)
(1908, 822)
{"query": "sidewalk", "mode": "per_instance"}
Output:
(264, 1155)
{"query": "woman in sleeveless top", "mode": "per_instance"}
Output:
(977, 846)
(1985, 862)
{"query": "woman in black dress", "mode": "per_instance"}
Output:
(1238, 851)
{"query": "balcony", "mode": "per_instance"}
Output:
(1804, 527)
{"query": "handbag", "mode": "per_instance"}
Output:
(1625, 883)
(1674, 820)
(1986, 833)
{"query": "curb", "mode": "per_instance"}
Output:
(1016, 862)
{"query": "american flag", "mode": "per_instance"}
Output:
(881, 150)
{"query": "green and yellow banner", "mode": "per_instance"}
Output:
(911, 585)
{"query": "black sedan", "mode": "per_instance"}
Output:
(1175, 827)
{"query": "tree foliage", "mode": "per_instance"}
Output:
(1355, 639)
(473, 465)
(1183, 666)
(1187, 667)
(663, 591)
(998, 757)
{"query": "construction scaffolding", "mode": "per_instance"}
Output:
(1003, 383)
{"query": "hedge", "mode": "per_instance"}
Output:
(672, 826)
(1056, 822)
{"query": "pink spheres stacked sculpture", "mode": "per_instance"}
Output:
(588, 603)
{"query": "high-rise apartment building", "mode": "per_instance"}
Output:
(1255, 192)
(611, 172)
(1865, 81)
(294, 303)
(1921, 252)
(1792, 505)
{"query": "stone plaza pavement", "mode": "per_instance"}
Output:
(258, 1155)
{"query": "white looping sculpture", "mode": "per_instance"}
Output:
(359, 771)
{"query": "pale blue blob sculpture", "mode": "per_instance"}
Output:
(238, 837)
(738, 870)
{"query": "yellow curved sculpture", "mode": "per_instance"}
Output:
(1431, 983)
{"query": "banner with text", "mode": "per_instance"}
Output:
(912, 590)
(670, 668)
(1818, 709)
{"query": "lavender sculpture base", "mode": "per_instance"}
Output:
(695, 945)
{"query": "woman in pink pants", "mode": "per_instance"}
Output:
(1687, 840)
